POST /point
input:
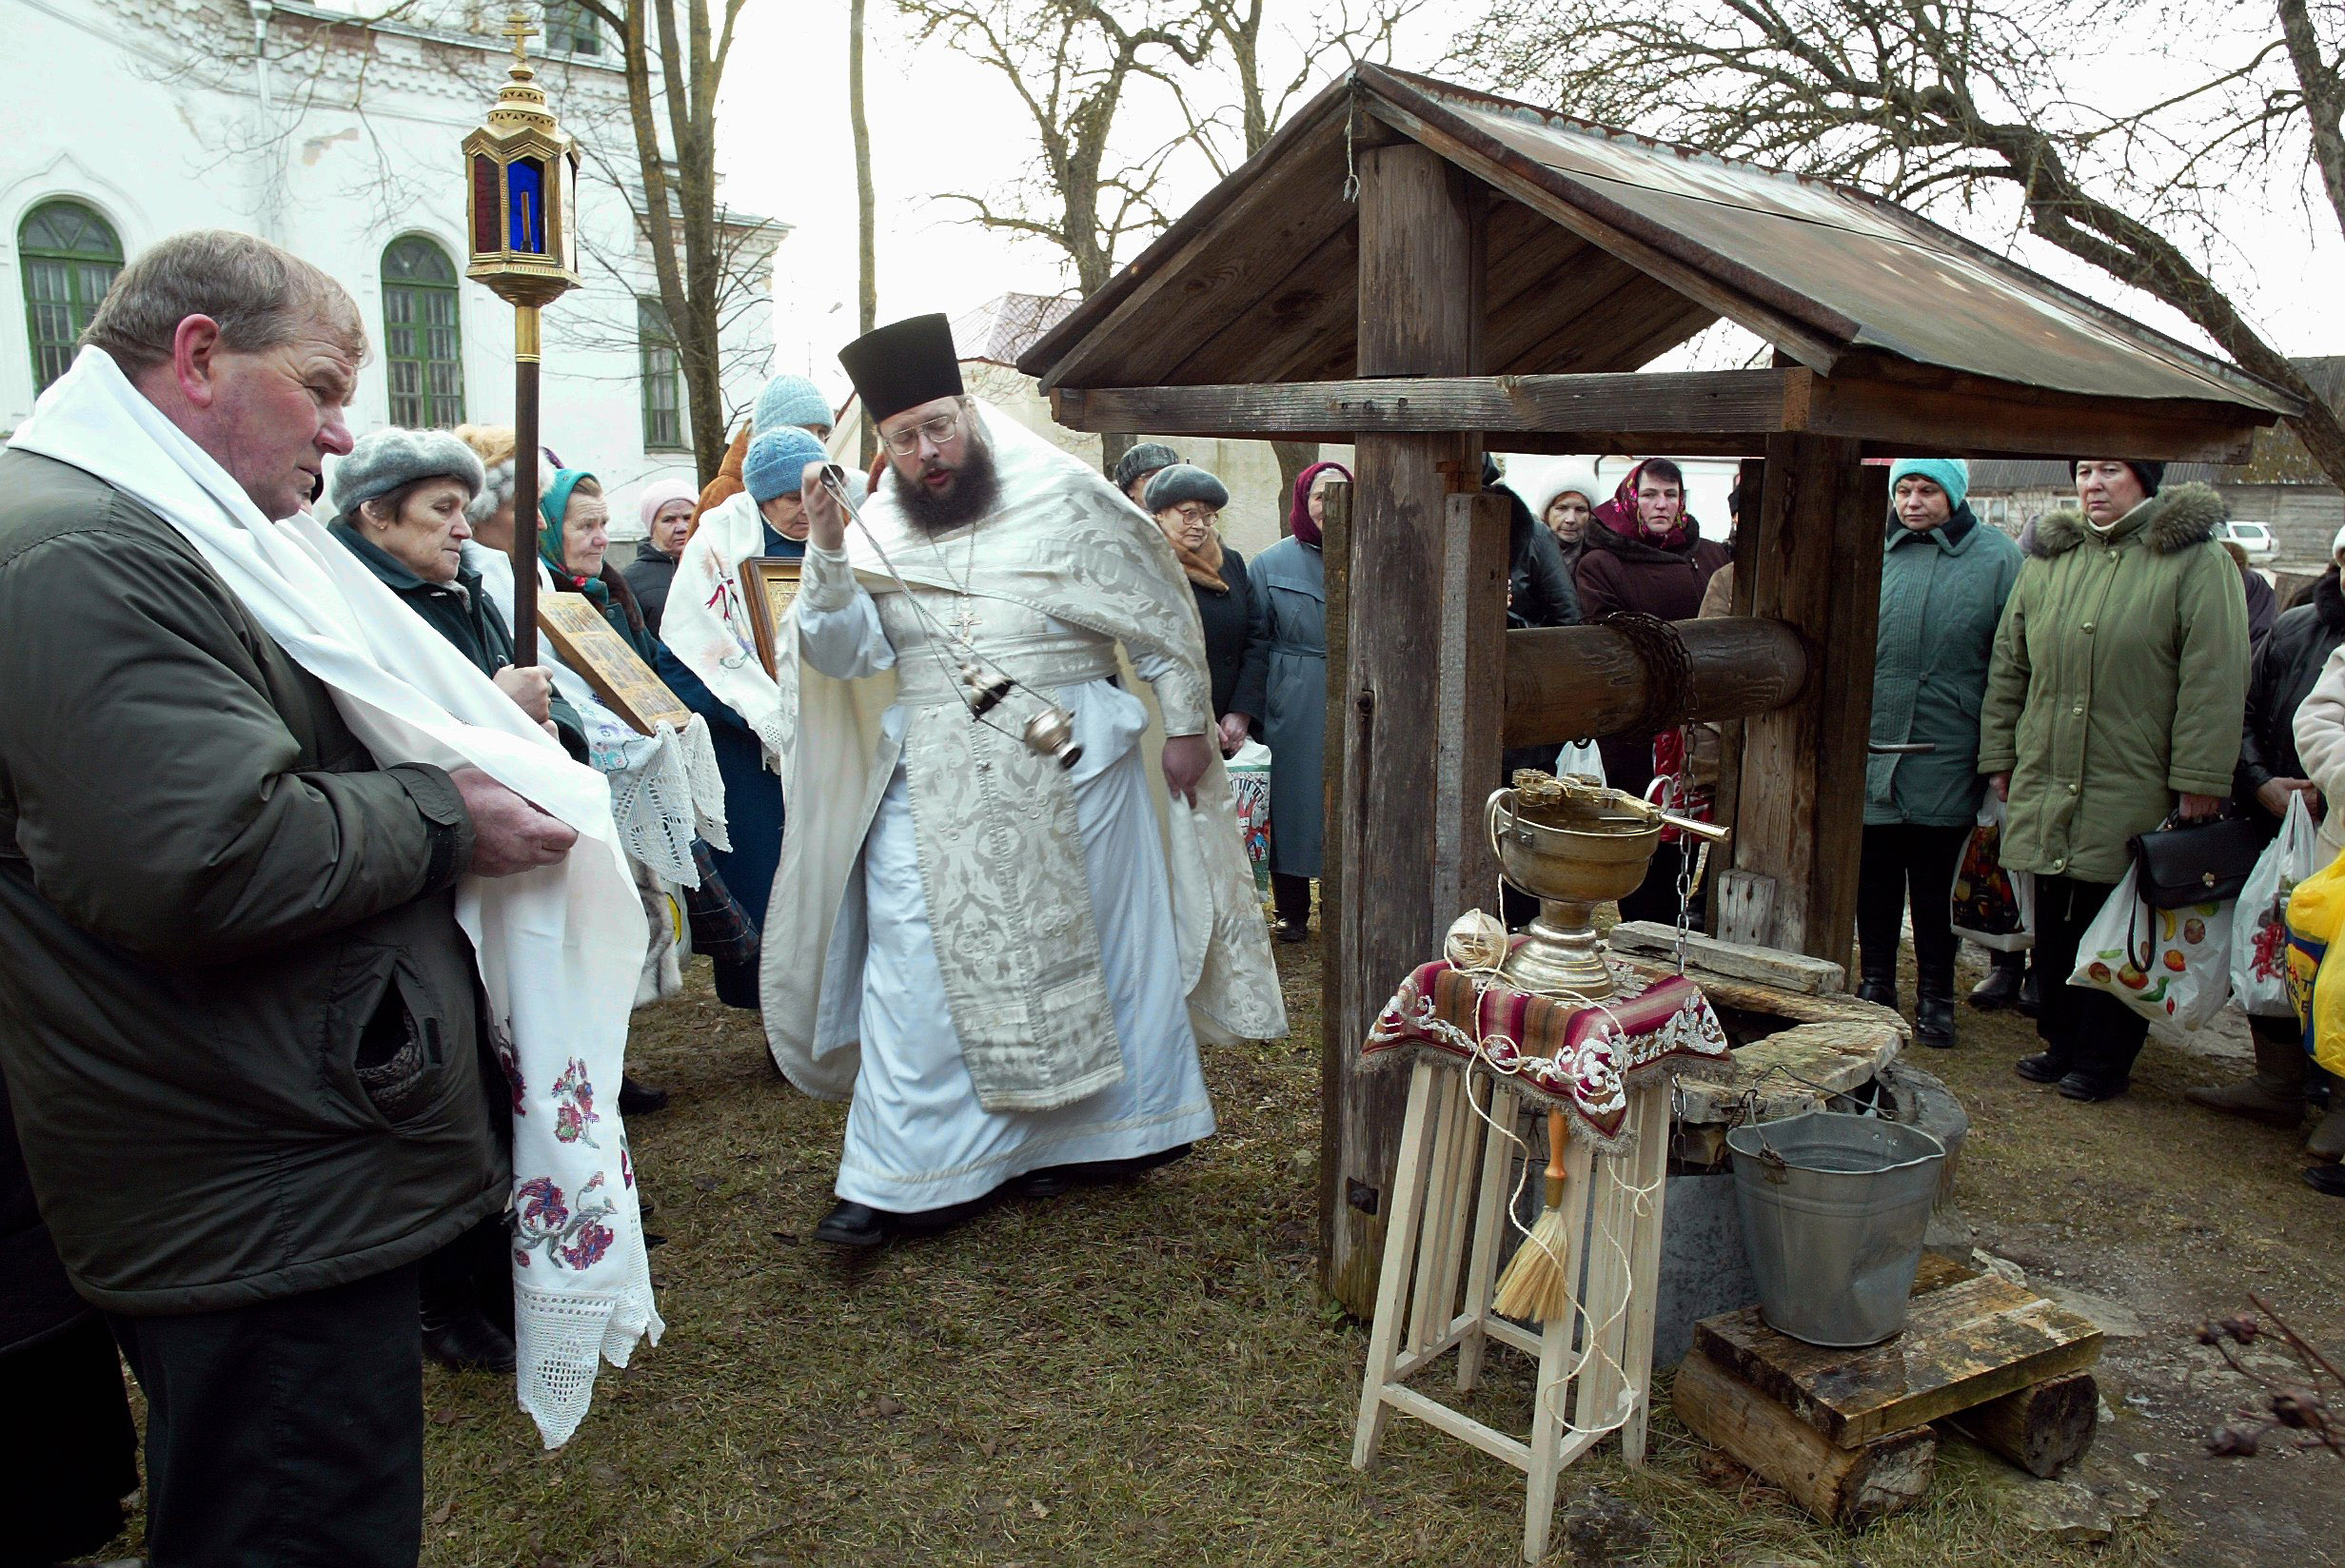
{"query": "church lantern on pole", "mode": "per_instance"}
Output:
(521, 183)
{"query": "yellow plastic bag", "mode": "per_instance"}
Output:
(2316, 963)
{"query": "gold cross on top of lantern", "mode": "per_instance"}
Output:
(523, 189)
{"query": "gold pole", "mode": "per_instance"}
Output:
(526, 332)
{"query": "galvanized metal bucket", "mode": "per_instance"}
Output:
(1834, 1207)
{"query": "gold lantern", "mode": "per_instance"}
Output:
(520, 172)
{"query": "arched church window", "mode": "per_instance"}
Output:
(70, 257)
(422, 347)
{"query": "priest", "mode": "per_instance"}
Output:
(1012, 894)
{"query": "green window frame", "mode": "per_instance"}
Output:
(422, 335)
(70, 256)
(571, 29)
(664, 427)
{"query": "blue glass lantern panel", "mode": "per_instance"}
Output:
(524, 189)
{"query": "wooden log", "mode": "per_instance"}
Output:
(1802, 787)
(2043, 1428)
(1576, 682)
(1963, 1345)
(1850, 1487)
(1766, 966)
(1419, 314)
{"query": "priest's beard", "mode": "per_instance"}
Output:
(973, 493)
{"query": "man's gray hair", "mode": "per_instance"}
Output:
(260, 295)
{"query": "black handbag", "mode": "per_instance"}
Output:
(2185, 863)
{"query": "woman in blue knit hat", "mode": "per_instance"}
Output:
(1943, 580)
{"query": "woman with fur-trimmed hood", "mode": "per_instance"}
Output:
(2115, 698)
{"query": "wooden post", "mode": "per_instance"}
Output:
(1469, 744)
(1420, 294)
(1816, 566)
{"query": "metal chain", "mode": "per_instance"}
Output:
(1677, 794)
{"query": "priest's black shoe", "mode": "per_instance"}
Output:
(853, 1224)
(2042, 1067)
(635, 1099)
(2000, 988)
(1050, 1181)
(2088, 1086)
(467, 1342)
(2329, 1180)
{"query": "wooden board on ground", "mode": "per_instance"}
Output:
(1969, 1342)
(1830, 1044)
(585, 642)
(1850, 1487)
(1737, 960)
(2043, 1428)
(770, 584)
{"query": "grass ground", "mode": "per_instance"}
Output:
(1148, 1375)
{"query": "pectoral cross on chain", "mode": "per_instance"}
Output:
(965, 622)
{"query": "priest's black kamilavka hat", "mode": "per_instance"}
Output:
(904, 364)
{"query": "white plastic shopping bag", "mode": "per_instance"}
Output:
(2171, 966)
(2260, 920)
(1581, 757)
(1992, 907)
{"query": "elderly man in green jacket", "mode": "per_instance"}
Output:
(237, 1015)
(2116, 697)
(1943, 580)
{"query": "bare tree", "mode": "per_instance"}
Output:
(866, 220)
(672, 90)
(1932, 99)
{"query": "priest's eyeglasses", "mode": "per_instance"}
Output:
(939, 430)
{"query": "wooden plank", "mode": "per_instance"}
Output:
(1712, 955)
(2043, 1428)
(1651, 1118)
(1802, 779)
(1744, 910)
(1469, 745)
(1998, 418)
(1308, 316)
(1808, 346)
(1384, 1340)
(1465, 1428)
(1506, 1112)
(1972, 1341)
(1419, 314)
(1850, 1487)
(1744, 403)
(1941, 1269)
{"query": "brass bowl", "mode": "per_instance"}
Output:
(1590, 850)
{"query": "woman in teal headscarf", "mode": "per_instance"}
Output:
(576, 537)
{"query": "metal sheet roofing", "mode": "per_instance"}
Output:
(1803, 261)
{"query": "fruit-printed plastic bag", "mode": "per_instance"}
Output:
(2171, 966)
(1992, 907)
(2259, 925)
(1250, 793)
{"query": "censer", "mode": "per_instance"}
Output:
(1574, 844)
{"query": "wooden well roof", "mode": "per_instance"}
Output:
(1604, 249)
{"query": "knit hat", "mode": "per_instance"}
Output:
(777, 462)
(385, 459)
(2337, 545)
(2151, 473)
(791, 400)
(1185, 481)
(554, 505)
(659, 493)
(1952, 475)
(1147, 457)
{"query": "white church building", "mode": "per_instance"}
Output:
(337, 136)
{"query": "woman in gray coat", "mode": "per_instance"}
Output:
(1291, 580)
(1943, 579)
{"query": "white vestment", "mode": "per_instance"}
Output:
(1024, 958)
(916, 1136)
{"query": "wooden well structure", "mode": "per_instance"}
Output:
(1424, 271)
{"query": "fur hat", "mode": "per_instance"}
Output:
(385, 459)
(1147, 457)
(1185, 481)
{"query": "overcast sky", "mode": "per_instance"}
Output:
(939, 121)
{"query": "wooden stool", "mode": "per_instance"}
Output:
(1454, 1176)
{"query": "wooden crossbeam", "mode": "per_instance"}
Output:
(1719, 410)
